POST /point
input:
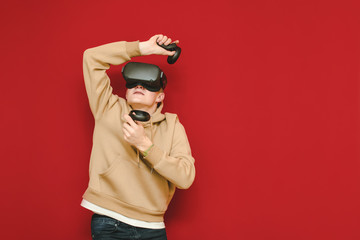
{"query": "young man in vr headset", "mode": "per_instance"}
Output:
(135, 166)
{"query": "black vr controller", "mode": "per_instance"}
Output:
(139, 115)
(171, 47)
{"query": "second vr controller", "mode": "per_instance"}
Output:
(171, 47)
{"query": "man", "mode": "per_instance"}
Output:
(135, 167)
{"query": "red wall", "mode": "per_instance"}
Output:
(268, 92)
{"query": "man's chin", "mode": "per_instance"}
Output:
(137, 104)
(136, 101)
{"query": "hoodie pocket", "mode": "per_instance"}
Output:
(135, 185)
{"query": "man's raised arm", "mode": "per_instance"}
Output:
(95, 63)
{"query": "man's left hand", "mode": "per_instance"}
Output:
(135, 135)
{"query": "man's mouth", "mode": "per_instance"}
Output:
(138, 92)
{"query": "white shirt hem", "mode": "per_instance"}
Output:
(133, 222)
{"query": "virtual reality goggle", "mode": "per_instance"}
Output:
(147, 75)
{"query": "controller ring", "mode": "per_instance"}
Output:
(139, 115)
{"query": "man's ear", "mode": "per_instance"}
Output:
(160, 97)
(126, 94)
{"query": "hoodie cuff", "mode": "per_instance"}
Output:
(132, 49)
(155, 155)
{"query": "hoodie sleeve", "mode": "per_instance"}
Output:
(177, 166)
(95, 63)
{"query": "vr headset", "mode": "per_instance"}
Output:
(147, 75)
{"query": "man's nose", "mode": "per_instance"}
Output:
(139, 86)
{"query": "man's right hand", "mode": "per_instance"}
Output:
(150, 47)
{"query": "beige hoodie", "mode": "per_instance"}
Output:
(121, 179)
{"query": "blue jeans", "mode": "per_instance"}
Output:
(107, 228)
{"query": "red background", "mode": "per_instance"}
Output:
(268, 92)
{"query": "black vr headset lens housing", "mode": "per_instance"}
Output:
(147, 75)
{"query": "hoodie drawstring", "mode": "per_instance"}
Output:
(152, 139)
(151, 130)
(138, 157)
